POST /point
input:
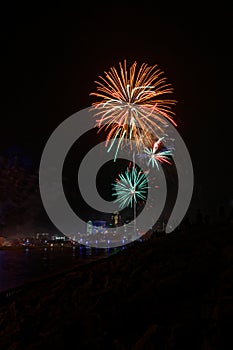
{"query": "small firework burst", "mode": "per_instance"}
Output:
(130, 187)
(156, 154)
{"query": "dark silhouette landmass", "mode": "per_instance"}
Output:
(169, 292)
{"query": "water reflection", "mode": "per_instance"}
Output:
(20, 265)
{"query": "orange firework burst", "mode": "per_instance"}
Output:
(131, 107)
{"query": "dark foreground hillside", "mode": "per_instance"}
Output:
(168, 293)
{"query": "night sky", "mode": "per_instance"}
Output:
(52, 56)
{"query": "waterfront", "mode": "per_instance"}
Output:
(172, 292)
(21, 265)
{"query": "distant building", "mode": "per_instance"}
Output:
(89, 227)
(115, 218)
(98, 226)
(58, 237)
(43, 235)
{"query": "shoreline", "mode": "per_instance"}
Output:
(179, 286)
(6, 295)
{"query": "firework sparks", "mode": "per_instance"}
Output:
(131, 106)
(156, 155)
(131, 186)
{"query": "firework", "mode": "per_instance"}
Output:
(129, 187)
(156, 155)
(131, 107)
